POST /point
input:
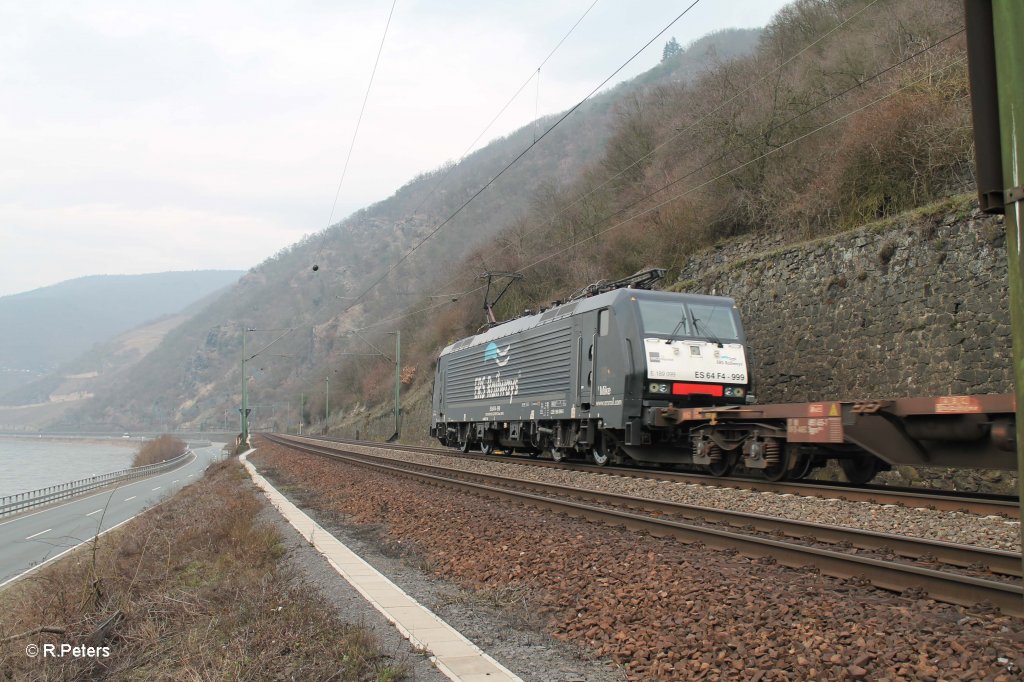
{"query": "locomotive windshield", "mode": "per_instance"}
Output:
(695, 320)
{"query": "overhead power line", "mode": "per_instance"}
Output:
(724, 174)
(689, 128)
(355, 133)
(437, 185)
(741, 166)
(511, 163)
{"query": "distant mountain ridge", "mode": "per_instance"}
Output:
(47, 327)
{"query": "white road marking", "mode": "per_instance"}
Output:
(157, 488)
(130, 498)
(57, 556)
(39, 533)
(95, 512)
(175, 481)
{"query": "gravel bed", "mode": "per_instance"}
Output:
(993, 532)
(499, 622)
(658, 608)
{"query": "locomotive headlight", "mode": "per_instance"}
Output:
(731, 392)
(659, 388)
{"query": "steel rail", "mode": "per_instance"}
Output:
(943, 586)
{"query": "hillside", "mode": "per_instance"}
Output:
(845, 112)
(46, 327)
(46, 398)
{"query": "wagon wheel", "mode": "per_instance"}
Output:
(600, 456)
(556, 454)
(724, 465)
(778, 470)
(859, 471)
(464, 445)
(487, 447)
(803, 467)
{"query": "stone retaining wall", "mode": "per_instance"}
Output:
(912, 307)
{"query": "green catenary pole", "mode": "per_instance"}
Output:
(398, 383)
(245, 393)
(327, 401)
(1008, 27)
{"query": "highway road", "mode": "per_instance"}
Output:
(31, 540)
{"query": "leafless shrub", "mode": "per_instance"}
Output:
(158, 450)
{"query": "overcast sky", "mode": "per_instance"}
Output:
(141, 136)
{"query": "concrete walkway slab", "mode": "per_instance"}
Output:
(453, 654)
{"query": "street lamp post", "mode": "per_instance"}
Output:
(327, 402)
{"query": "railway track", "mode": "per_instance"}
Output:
(944, 500)
(971, 575)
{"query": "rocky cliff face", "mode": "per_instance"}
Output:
(916, 306)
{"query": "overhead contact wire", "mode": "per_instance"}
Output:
(703, 118)
(535, 74)
(355, 133)
(740, 166)
(514, 161)
(721, 156)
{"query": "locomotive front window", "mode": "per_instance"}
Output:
(667, 318)
(715, 321)
(702, 320)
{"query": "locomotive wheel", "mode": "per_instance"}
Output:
(779, 471)
(859, 471)
(600, 458)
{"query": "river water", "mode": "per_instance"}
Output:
(30, 463)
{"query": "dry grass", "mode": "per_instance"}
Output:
(192, 590)
(158, 450)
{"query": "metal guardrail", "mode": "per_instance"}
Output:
(12, 504)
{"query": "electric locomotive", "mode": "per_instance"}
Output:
(587, 377)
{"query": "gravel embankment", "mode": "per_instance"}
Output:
(660, 609)
(969, 529)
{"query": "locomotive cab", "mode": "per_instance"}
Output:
(693, 349)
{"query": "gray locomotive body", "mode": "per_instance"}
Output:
(586, 377)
